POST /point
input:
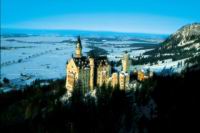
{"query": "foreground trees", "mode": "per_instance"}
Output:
(162, 104)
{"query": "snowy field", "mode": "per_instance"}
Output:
(30, 58)
(165, 67)
(24, 59)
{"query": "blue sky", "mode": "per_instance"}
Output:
(145, 16)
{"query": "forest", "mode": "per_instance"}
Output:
(162, 104)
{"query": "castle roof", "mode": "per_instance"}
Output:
(79, 44)
(84, 61)
(101, 60)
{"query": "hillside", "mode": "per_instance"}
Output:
(186, 41)
(187, 37)
(181, 45)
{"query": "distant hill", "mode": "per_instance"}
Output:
(186, 37)
(184, 43)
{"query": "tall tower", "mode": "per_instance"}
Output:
(124, 79)
(91, 60)
(126, 63)
(78, 47)
(115, 79)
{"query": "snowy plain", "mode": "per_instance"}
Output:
(24, 59)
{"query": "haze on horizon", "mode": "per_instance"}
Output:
(159, 16)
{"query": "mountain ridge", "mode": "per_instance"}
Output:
(184, 43)
(187, 37)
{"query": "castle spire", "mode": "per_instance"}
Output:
(78, 47)
(79, 42)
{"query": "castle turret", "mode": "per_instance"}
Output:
(91, 60)
(78, 48)
(115, 79)
(126, 63)
(124, 79)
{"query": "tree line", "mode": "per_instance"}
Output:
(162, 104)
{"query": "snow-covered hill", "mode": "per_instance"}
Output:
(185, 43)
(186, 38)
(180, 46)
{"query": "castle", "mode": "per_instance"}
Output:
(93, 72)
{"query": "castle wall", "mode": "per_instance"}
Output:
(72, 75)
(103, 74)
(84, 77)
(91, 60)
(115, 79)
(124, 79)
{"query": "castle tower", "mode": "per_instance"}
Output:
(114, 79)
(78, 48)
(91, 60)
(140, 75)
(124, 79)
(126, 63)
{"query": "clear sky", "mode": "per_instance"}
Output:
(145, 16)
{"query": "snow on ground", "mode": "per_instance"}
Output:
(24, 59)
(117, 53)
(175, 66)
(35, 58)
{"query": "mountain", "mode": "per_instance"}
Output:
(187, 37)
(185, 43)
